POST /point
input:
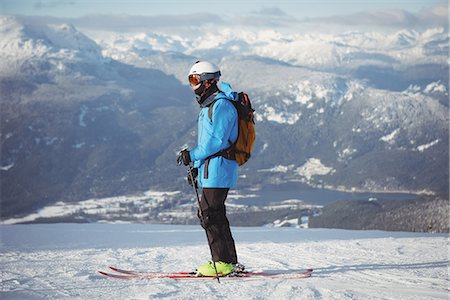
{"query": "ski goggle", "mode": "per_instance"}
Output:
(194, 79)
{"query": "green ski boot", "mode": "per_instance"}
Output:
(222, 268)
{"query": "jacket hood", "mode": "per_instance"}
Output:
(226, 91)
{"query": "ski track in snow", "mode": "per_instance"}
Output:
(408, 267)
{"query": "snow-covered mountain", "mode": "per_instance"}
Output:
(345, 95)
(345, 50)
(56, 46)
(90, 117)
(73, 123)
(366, 55)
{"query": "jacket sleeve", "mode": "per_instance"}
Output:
(215, 134)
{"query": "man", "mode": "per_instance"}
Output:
(215, 174)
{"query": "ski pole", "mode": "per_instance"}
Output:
(191, 175)
(190, 168)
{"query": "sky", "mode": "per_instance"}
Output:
(298, 9)
(189, 17)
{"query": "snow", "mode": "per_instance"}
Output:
(424, 147)
(436, 87)
(404, 47)
(53, 261)
(79, 145)
(82, 115)
(285, 223)
(235, 195)
(60, 260)
(7, 167)
(313, 167)
(270, 114)
(390, 138)
(30, 39)
(111, 207)
(412, 89)
(278, 169)
(346, 153)
(308, 170)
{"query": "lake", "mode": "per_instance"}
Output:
(278, 193)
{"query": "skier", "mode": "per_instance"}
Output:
(215, 174)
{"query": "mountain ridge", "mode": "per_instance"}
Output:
(77, 126)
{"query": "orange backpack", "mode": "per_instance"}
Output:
(241, 150)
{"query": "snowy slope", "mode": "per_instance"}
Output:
(61, 260)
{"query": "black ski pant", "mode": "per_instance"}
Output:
(215, 222)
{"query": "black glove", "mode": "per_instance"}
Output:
(184, 157)
(194, 172)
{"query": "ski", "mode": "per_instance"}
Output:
(241, 274)
(129, 274)
(139, 273)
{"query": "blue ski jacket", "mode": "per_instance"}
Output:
(213, 136)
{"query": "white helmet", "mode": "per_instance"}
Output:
(201, 71)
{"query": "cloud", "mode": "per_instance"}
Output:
(189, 23)
(379, 18)
(437, 14)
(270, 11)
(52, 4)
(127, 23)
(270, 17)
(262, 19)
(265, 18)
(394, 18)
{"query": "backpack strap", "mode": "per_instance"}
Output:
(227, 153)
(210, 110)
(222, 152)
